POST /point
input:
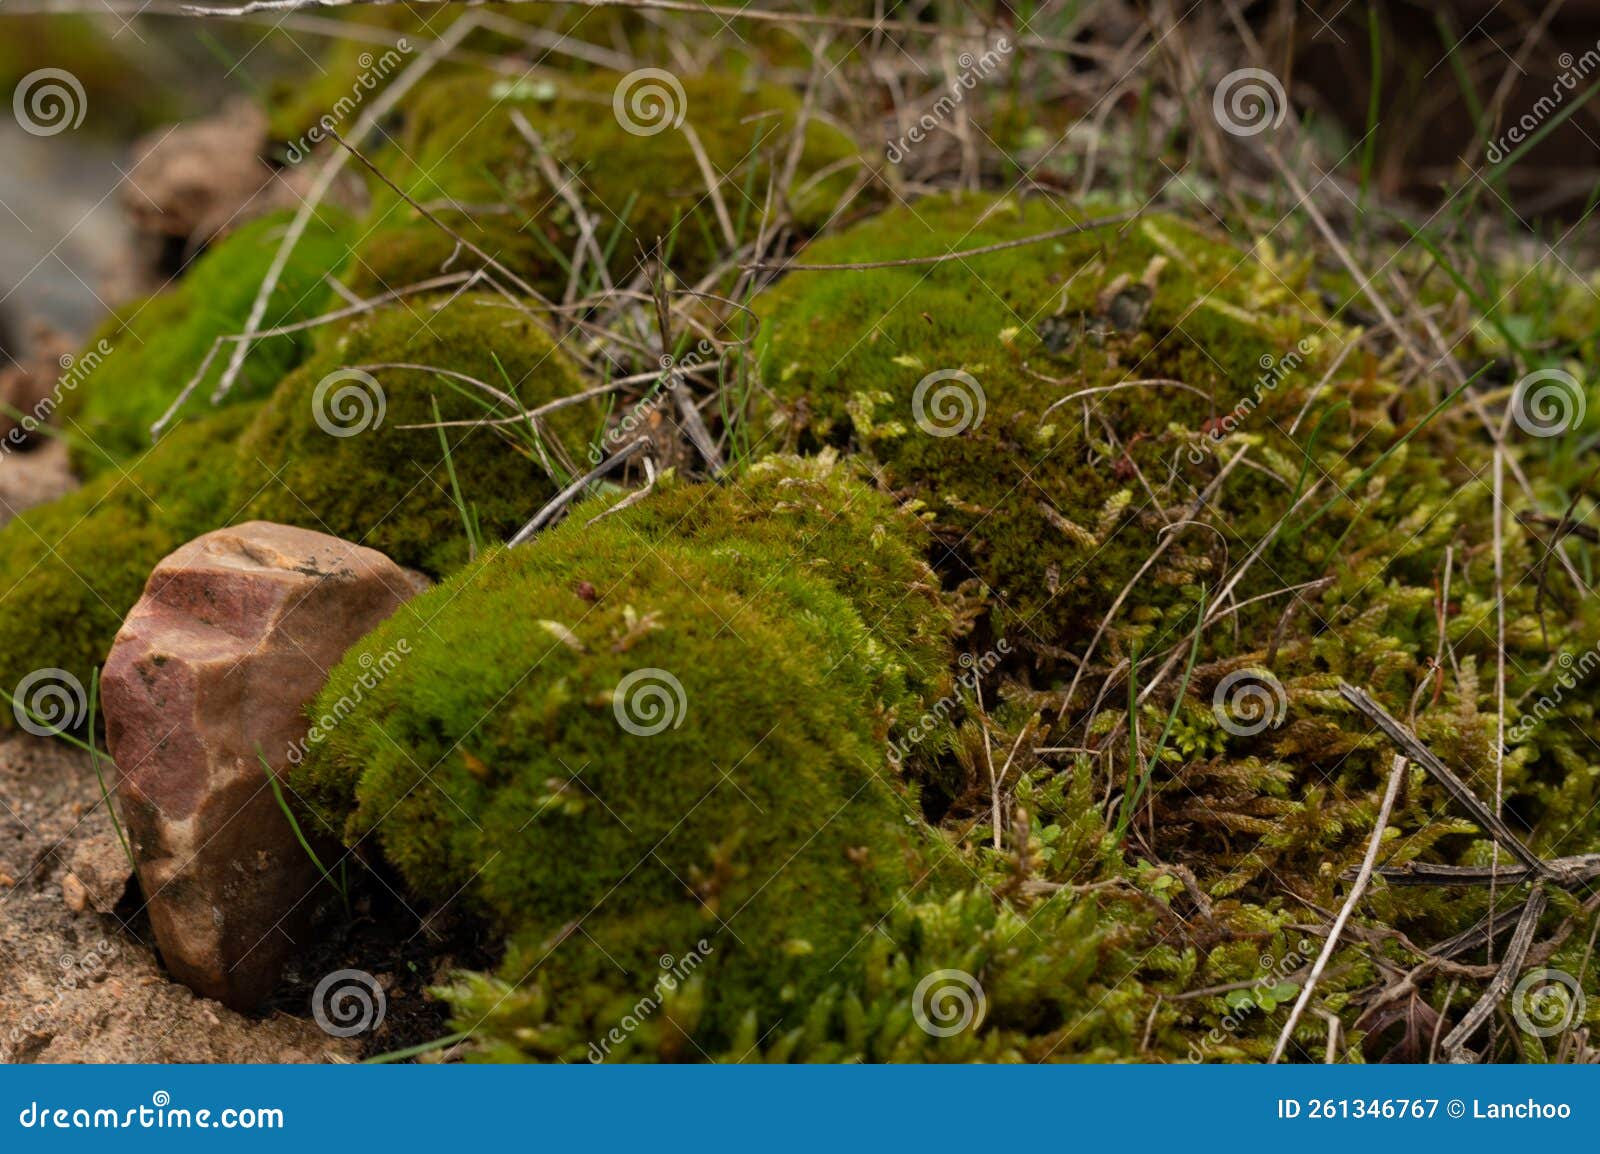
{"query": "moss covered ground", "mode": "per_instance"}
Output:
(996, 641)
(159, 344)
(464, 156)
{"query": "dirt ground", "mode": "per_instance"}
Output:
(79, 985)
(78, 979)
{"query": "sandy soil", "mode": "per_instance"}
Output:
(80, 985)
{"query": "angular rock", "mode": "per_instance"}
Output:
(210, 674)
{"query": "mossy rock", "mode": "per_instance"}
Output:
(950, 375)
(332, 449)
(71, 570)
(158, 344)
(700, 714)
(460, 147)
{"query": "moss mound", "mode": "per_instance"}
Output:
(158, 344)
(71, 570)
(701, 714)
(332, 451)
(462, 155)
(951, 374)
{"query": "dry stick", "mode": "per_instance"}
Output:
(982, 250)
(1455, 1042)
(1500, 655)
(551, 406)
(632, 498)
(1442, 773)
(563, 189)
(331, 168)
(713, 183)
(562, 499)
(1360, 887)
(556, 43)
(1154, 382)
(1566, 872)
(522, 285)
(1484, 932)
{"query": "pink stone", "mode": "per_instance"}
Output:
(235, 633)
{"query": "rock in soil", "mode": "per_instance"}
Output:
(207, 680)
(80, 986)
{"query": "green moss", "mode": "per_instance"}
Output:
(1045, 984)
(344, 461)
(356, 70)
(1045, 502)
(71, 570)
(147, 351)
(460, 144)
(750, 804)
